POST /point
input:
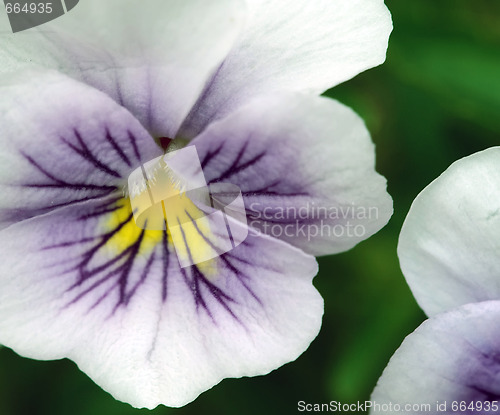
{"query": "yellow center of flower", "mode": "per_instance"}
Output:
(162, 202)
(187, 235)
(128, 232)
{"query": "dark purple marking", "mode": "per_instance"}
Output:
(100, 299)
(205, 238)
(237, 272)
(116, 272)
(185, 241)
(198, 277)
(121, 272)
(266, 191)
(69, 243)
(58, 183)
(210, 155)
(133, 141)
(74, 186)
(165, 262)
(127, 267)
(102, 212)
(282, 194)
(252, 215)
(108, 206)
(94, 286)
(41, 169)
(275, 188)
(238, 158)
(240, 275)
(93, 271)
(119, 268)
(89, 255)
(117, 148)
(88, 156)
(238, 169)
(222, 298)
(193, 285)
(18, 214)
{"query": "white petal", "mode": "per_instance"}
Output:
(306, 46)
(306, 166)
(61, 143)
(152, 56)
(449, 247)
(152, 334)
(452, 357)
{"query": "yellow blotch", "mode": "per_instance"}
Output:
(179, 209)
(129, 233)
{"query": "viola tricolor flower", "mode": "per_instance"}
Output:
(92, 97)
(449, 254)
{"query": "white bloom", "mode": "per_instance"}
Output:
(449, 249)
(81, 100)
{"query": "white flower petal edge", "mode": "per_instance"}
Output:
(309, 175)
(449, 247)
(153, 56)
(297, 45)
(452, 357)
(72, 286)
(164, 335)
(144, 348)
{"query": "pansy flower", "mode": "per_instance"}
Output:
(449, 252)
(92, 98)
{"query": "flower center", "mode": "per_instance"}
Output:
(190, 238)
(125, 231)
(165, 195)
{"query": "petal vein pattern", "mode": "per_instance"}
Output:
(170, 193)
(81, 280)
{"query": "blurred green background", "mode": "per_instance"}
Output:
(435, 100)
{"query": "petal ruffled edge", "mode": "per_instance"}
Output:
(178, 332)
